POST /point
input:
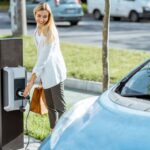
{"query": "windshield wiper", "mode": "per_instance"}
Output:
(144, 96)
(130, 75)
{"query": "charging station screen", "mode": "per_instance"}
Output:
(19, 84)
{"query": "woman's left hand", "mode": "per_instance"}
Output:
(27, 89)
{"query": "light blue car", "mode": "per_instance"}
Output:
(118, 120)
(63, 10)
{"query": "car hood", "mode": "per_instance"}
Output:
(102, 125)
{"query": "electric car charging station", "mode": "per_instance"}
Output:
(13, 80)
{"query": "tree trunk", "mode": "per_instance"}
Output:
(18, 17)
(105, 46)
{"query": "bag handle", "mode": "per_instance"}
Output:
(40, 85)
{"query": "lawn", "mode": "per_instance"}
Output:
(85, 62)
(4, 5)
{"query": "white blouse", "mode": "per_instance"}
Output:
(50, 65)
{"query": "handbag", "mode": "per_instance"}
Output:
(38, 101)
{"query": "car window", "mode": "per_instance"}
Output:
(139, 84)
(67, 1)
(29, 1)
(34, 1)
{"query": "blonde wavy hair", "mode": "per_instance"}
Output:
(49, 29)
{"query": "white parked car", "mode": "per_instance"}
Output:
(134, 10)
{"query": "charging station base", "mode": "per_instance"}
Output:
(11, 123)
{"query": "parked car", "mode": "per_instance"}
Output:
(63, 10)
(118, 120)
(134, 10)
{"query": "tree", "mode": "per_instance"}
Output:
(18, 17)
(105, 45)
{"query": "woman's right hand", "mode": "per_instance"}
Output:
(29, 85)
(27, 89)
(40, 85)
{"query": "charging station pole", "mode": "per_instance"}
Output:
(11, 123)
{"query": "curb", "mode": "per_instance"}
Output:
(77, 84)
(3, 10)
(85, 85)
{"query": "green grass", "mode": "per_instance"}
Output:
(4, 5)
(38, 125)
(29, 53)
(85, 62)
(84, 7)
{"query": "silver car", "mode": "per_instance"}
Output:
(63, 10)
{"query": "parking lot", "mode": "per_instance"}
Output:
(123, 34)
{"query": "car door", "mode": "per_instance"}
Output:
(114, 7)
(30, 5)
(29, 9)
(53, 5)
(124, 7)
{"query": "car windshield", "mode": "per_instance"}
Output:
(139, 84)
(60, 1)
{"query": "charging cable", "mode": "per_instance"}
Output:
(27, 126)
(22, 109)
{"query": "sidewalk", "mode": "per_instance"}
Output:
(33, 145)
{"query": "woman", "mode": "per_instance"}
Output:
(50, 66)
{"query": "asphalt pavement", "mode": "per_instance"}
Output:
(123, 34)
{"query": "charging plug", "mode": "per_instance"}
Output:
(20, 93)
(27, 97)
(22, 109)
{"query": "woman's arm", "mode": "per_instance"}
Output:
(29, 85)
(32, 79)
(43, 56)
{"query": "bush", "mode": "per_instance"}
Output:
(84, 7)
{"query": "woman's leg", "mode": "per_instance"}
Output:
(52, 113)
(58, 98)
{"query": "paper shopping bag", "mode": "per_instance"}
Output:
(38, 101)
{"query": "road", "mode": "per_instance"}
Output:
(123, 34)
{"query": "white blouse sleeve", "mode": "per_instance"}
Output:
(43, 56)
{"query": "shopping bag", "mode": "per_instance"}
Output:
(38, 101)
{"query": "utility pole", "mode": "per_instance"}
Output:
(18, 17)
